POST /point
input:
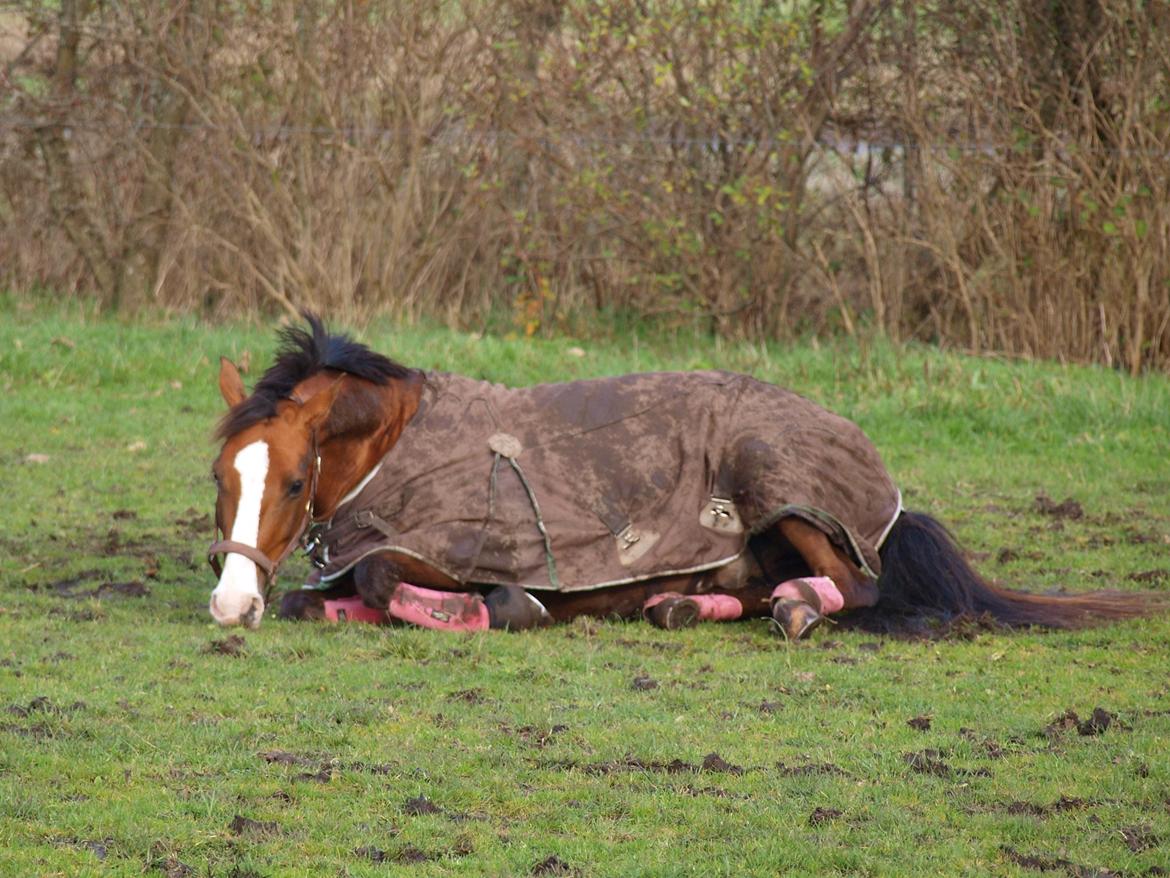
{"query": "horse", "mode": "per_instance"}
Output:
(433, 499)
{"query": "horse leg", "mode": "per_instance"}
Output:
(800, 605)
(385, 583)
(309, 603)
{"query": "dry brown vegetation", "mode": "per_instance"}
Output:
(992, 177)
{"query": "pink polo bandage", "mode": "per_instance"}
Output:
(353, 610)
(825, 588)
(441, 610)
(712, 607)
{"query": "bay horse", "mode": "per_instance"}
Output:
(451, 503)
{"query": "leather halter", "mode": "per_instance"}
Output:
(263, 563)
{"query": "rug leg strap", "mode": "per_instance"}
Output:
(441, 610)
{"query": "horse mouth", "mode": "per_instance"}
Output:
(250, 618)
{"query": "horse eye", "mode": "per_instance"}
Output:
(295, 488)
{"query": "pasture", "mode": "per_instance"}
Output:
(138, 738)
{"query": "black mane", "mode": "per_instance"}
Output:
(302, 354)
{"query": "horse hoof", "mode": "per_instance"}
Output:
(795, 619)
(674, 613)
(511, 607)
(302, 604)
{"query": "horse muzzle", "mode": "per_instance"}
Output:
(239, 606)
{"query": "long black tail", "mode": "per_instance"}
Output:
(924, 572)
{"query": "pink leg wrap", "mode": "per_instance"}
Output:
(825, 588)
(659, 598)
(353, 610)
(712, 607)
(443, 610)
(718, 607)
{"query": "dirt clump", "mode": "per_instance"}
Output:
(1064, 803)
(1054, 864)
(920, 723)
(234, 646)
(1139, 838)
(1097, 724)
(824, 815)
(553, 866)
(715, 762)
(810, 768)
(420, 805)
(242, 825)
(1067, 508)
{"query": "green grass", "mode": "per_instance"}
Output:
(150, 742)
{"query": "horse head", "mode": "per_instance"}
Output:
(317, 422)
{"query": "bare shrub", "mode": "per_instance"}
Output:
(986, 177)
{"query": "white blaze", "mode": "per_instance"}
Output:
(237, 596)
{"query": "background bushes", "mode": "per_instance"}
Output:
(988, 176)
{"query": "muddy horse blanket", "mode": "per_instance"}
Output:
(609, 481)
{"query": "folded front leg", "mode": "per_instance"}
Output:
(672, 610)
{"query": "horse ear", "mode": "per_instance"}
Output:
(314, 412)
(231, 385)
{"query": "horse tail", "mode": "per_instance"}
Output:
(924, 572)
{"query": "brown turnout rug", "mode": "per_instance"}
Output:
(609, 481)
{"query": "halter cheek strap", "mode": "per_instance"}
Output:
(265, 564)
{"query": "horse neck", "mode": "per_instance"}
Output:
(379, 414)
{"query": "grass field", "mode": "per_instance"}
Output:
(137, 738)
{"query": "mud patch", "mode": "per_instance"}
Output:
(715, 762)
(655, 645)
(810, 769)
(43, 705)
(824, 815)
(1139, 838)
(168, 865)
(533, 736)
(419, 806)
(1150, 576)
(474, 697)
(407, 855)
(1098, 723)
(920, 723)
(551, 866)
(716, 792)
(1064, 803)
(371, 853)
(1054, 864)
(629, 763)
(246, 826)
(930, 761)
(1067, 508)
(326, 774)
(643, 683)
(194, 523)
(410, 854)
(991, 748)
(70, 587)
(234, 646)
(283, 757)
(99, 848)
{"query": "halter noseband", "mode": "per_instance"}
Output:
(263, 563)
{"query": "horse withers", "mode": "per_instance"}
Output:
(453, 503)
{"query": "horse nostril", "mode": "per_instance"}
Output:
(255, 612)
